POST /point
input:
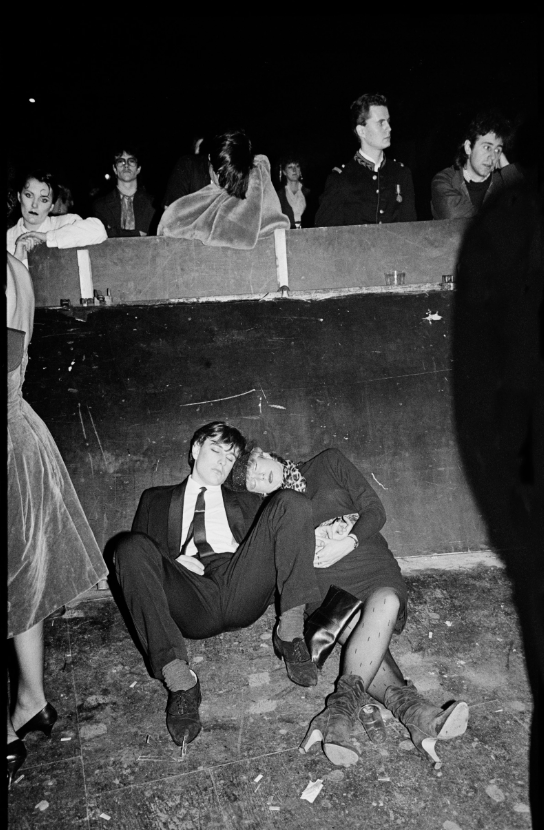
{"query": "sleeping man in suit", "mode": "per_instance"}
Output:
(201, 560)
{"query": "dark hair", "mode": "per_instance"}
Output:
(231, 157)
(289, 158)
(360, 109)
(42, 176)
(64, 196)
(484, 123)
(130, 149)
(218, 430)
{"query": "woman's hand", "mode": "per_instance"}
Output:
(191, 563)
(333, 551)
(27, 241)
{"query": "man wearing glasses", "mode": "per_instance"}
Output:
(127, 210)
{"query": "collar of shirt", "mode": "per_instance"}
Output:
(218, 532)
(194, 487)
(366, 161)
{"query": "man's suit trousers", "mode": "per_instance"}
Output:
(168, 602)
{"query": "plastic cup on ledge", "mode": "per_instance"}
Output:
(395, 278)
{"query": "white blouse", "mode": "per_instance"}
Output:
(66, 231)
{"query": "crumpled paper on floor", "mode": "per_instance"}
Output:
(312, 790)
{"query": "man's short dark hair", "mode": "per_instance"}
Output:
(218, 431)
(43, 176)
(490, 121)
(129, 149)
(360, 109)
(231, 156)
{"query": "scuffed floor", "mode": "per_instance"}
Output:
(111, 763)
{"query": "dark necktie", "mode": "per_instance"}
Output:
(197, 528)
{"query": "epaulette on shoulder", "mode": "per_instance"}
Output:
(338, 169)
(398, 162)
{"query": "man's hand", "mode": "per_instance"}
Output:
(27, 241)
(191, 563)
(502, 162)
(332, 552)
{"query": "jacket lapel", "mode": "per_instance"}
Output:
(175, 514)
(234, 513)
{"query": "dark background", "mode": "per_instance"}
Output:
(289, 81)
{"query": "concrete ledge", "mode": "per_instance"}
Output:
(462, 560)
(161, 269)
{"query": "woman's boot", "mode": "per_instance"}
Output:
(334, 724)
(325, 625)
(426, 722)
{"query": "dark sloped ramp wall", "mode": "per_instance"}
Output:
(123, 388)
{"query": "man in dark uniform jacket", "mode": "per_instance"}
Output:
(369, 189)
(201, 560)
(127, 210)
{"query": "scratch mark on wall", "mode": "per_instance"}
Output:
(98, 439)
(217, 400)
(82, 424)
(275, 406)
(378, 482)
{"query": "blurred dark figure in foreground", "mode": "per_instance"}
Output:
(190, 173)
(499, 411)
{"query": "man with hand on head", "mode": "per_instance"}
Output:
(371, 188)
(199, 562)
(481, 170)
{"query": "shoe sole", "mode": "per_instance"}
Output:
(298, 681)
(455, 723)
(340, 756)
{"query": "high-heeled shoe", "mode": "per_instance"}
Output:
(42, 722)
(16, 758)
(325, 625)
(334, 724)
(426, 722)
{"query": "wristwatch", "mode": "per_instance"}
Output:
(355, 539)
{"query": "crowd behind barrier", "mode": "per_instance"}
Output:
(368, 188)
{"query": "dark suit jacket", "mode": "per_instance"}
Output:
(190, 174)
(160, 513)
(108, 210)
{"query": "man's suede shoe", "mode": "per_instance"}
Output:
(182, 718)
(300, 667)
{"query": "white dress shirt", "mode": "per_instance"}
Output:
(66, 231)
(218, 533)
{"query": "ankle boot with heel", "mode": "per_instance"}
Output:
(426, 722)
